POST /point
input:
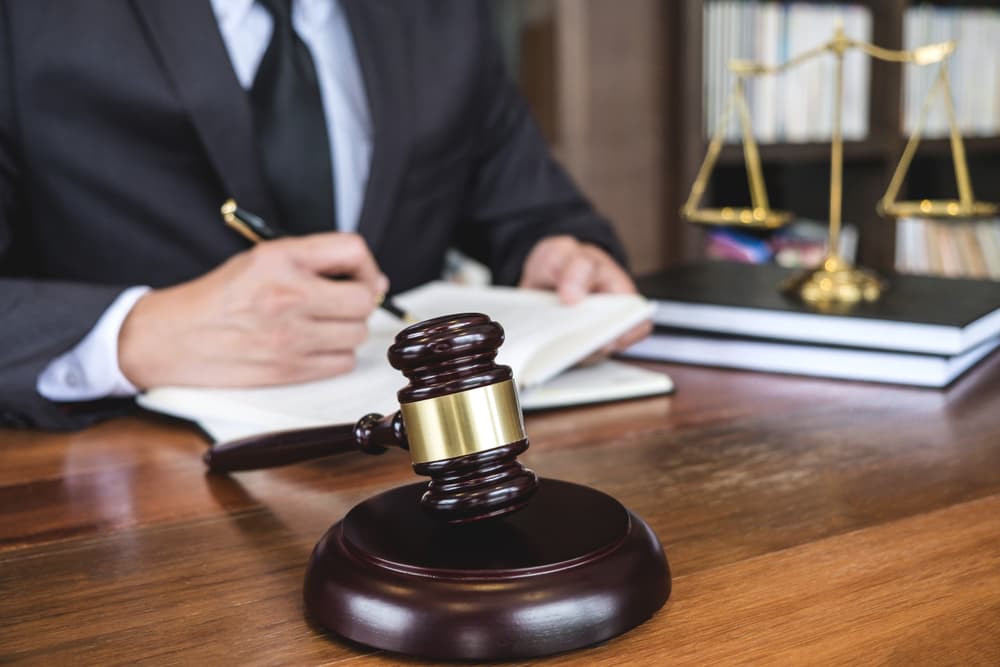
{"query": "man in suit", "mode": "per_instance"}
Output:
(125, 125)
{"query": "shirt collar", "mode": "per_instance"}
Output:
(236, 10)
(231, 10)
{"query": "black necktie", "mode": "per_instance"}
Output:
(291, 128)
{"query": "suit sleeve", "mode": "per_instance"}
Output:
(39, 319)
(521, 194)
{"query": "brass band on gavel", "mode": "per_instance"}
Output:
(475, 420)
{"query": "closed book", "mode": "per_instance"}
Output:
(844, 363)
(921, 314)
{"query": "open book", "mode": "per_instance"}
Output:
(543, 339)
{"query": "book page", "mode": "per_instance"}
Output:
(543, 338)
(590, 326)
(604, 381)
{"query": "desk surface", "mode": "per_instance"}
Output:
(804, 520)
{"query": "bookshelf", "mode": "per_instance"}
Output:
(797, 174)
(618, 90)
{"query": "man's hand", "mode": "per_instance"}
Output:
(265, 316)
(574, 270)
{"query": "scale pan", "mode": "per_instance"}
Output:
(750, 218)
(940, 209)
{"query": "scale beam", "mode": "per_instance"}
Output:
(835, 283)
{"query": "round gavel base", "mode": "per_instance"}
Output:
(571, 569)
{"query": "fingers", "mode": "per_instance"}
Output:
(631, 337)
(294, 277)
(303, 338)
(305, 296)
(296, 350)
(626, 340)
(635, 334)
(268, 315)
(338, 299)
(573, 269)
(288, 371)
(319, 367)
(577, 278)
(545, 261)
(592, 271)
(315, 337)
(333, 254)
(609, 276)
(560, 263)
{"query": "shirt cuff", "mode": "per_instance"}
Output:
(90, 370)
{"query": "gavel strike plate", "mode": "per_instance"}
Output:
(571, 569)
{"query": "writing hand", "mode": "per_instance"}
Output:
(266, 316)
(574, 270)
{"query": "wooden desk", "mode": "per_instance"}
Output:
(805, 521)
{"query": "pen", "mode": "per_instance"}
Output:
(256, 229)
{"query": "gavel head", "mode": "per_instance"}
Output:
(462, 418)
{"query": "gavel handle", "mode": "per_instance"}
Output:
(371, 434)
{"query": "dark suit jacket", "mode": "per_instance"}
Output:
(123, 128)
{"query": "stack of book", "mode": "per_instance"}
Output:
(924, 331)
(796, 106)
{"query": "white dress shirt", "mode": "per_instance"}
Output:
(90, 370)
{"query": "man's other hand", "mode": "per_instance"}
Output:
(574, 270)
(266, 316)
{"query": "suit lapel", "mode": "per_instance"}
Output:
(382, 44)
(186, 36)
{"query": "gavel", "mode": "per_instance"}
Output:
(459, 418)
(451, 570)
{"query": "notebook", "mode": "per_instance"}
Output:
(919, 314)
(543, 339)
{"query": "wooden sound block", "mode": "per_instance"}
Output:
(570, 569)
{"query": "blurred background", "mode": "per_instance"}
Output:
(628, 92)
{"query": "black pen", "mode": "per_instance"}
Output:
(256, 229)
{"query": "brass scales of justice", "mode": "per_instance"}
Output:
(836, 283)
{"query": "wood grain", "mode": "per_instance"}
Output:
(898, 593)
(805, 521)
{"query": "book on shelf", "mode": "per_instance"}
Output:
(965, 248)
(973, 69)
(800, 244)
(797, 105)
(543, 340)
(923, 330)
